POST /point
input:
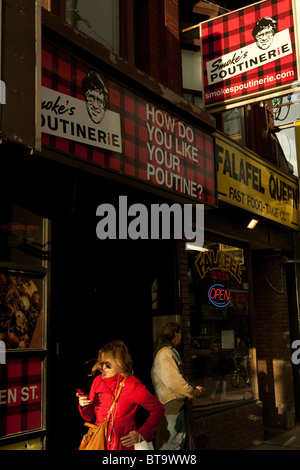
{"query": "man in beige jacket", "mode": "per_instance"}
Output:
(172, 388)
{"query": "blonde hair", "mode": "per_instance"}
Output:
(119, 353)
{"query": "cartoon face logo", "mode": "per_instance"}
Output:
(264, 32)
(96, 96)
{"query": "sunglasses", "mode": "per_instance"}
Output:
(106, 364)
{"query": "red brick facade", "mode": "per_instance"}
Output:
(158, 45)
(272, 336)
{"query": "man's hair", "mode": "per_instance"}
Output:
(169, 330)
(264, 23)
(93, 81)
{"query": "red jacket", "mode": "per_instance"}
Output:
(122, 421)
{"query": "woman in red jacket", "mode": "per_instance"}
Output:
(115, 363)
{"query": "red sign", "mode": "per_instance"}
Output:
(87, 115)
(219, 296)
(249, 52)
(20, 395)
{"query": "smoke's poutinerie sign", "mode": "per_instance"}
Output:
(250, 51)
(87, 115)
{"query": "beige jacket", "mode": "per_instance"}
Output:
(167, 376)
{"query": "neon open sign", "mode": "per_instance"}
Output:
(219, 296)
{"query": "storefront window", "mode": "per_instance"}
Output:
(220, 324)
(22, 236)
(24, 251)
(23, 277)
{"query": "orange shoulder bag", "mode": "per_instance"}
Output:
(95, 438)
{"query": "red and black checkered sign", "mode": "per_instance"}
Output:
(239, 73)
(158, 148)
(20, 395)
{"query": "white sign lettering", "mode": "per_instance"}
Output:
(248, 58)
(75, 119)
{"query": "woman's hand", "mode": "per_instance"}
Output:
(200, 391)
(83, 399)
(132, 438)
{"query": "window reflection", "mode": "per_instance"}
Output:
(220, 325)
(98, 19)
(233, 124)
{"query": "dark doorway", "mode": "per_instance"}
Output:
(100, 291)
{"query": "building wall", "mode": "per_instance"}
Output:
(273, 344)
(158, 52)
(233, 429)
(157, 41)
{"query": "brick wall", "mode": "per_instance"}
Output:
(184, 300)
(238, 428)
(158, 51)
(272, 341)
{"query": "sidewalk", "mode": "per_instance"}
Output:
(280, 439)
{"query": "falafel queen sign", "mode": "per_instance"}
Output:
(249, 53)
